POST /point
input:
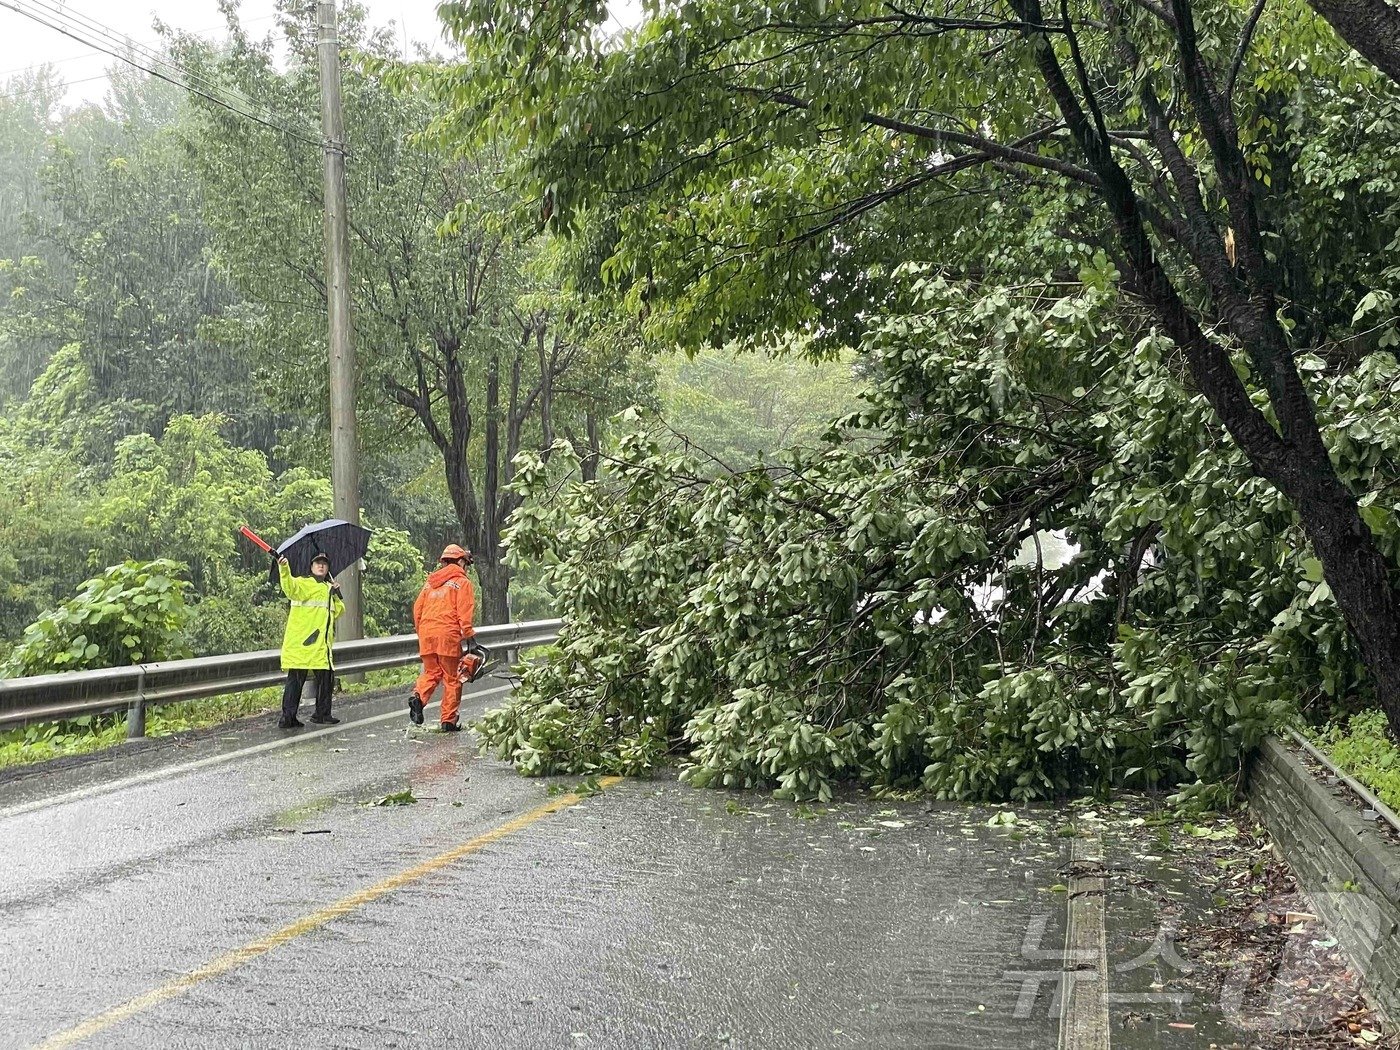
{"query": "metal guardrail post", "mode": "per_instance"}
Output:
(136, 714)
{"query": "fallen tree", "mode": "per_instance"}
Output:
(883, 608)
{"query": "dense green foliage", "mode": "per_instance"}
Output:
(1361, 747)
(114, 262)
(769, 165)
(184, 491)
(132, 613)
(1076, 277)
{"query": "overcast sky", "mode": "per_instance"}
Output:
(25, 43)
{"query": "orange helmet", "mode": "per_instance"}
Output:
(452, 552)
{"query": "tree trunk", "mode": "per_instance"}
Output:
(493, 601)
(594, 449)
(1359, 575)
(1293, 457)
(1370, 26)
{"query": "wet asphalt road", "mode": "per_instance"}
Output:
(651, 915)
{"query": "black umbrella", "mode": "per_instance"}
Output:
(344, 544)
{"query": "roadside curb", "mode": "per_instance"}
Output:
(1347, 866)
(1084, 1022)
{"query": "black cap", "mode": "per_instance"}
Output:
(321, 557)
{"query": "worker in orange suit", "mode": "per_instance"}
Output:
(442, 618)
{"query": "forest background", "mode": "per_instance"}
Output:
(163, 352)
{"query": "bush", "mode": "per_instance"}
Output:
(1364, 748)
(239, 615)
(132, 613)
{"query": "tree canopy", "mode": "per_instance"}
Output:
(1149, 251)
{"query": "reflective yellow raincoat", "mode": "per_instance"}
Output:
(311, 623)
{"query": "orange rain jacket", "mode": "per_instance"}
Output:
(442, 615)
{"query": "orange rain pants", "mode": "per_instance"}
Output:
(442, 669)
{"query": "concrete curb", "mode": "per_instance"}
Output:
(1084, 1023)
(1347, 866)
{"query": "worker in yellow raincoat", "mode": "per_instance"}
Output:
(307, 641)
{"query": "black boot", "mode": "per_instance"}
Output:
(415, 710)
(325, 685)
(451, 727)
(291, 699)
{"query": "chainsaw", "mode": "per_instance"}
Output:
(475, 662)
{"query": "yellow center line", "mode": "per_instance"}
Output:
(239, 956)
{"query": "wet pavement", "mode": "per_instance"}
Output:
(237, 888)
(648, 915)
(1212, 945)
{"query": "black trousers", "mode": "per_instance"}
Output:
(291, 692)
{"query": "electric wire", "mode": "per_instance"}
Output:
(102, 38)
(223, 95)
(105, 32)
(91, 53)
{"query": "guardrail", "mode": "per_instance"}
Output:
(1376, 809)
(50, 697)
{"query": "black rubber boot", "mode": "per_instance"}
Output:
(415, 710)
(451, 727)
(290, 724)
(325, 720)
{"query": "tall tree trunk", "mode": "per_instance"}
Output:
(1370, 26)
(1359, 576)
(1293, 457)
(493, 602)
(595, 445)
(546, 386)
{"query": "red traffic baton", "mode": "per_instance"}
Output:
(267, 547)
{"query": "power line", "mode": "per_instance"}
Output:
(104, 39)
(125, 50)
(192, 80)
(90, 53)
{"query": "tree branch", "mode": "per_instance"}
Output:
(1210, 363)
(1245, 37)
(939, 136)
(1370, 26)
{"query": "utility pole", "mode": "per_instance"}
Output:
(345, 448)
